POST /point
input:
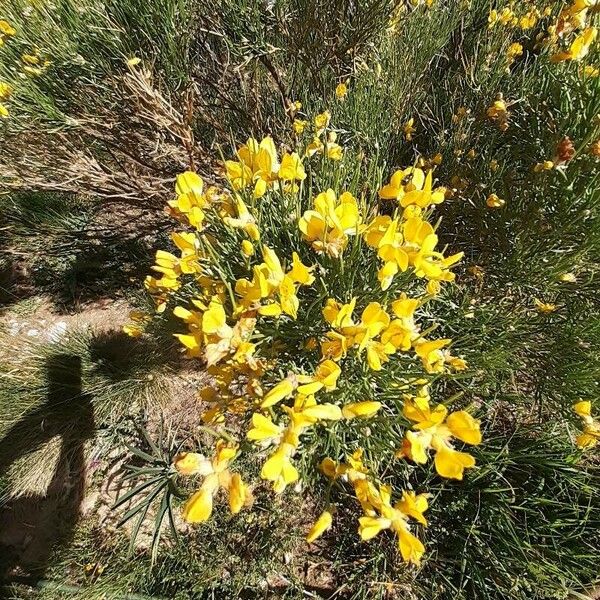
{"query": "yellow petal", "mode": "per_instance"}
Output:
(322, 524)
(329, 412)
(237, 494)
(199, 507)
(464, 427)
(369, 527)
(360, 409)
(276, 394)
(451, 464)
(583, 408)
(410, 546)
(263, 428)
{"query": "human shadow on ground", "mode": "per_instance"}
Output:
(32, 526)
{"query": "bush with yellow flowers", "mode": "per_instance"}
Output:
(299, 285)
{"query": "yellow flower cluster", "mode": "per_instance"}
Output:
(434, 429)
(32, 64)
(376, 503)
(508, 18)
(590, 436)
(573, 32)
(258, 166)
(6, 31)
(408, 239)
(255, 261)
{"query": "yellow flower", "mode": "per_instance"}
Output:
(325, 376)
(6, 31)
(328, 226)
(3, 111)
(133, 61)
(498, 113)
(493, 201)
(409, 129)
(590, 436)
(299, 272)
(247, 248)
(191, 463)
(514, 51)
(579, 48)
(434, 429)
(299, 125)
(568, 278)
(322, 121)
(279, 468)
(423, 197)
(217, 475)
(545, 307)
(5, 91)
(284, 389)
(364, 409)
(401, 182)
(392, 517)
(190, 200)
(322, 524)
(244, 220)
(263, 429)
(341, 90)
(546, 165)
(291, 168)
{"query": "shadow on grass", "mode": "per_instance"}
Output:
(31, 526)
(74, 252)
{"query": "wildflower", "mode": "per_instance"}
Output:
(299, 125)
(409, 129)
(191, 463)
(393, 517)
(423, 197)
(328, 226)
(217, 475)
(565, 151)
(579, 48)
(244, 220)
(190, 203)
(434, 429)
(493, 165)
(341, 90)
(591, 427)
(498, 113)
(493, 201)
(247, 248)
(136, 328)
(545, 307)
(258, 164)
(322, 121)
(322, 524)
(283, 389)
(5, 91)
(6, 31)
(364, 409)
(325, 377)
(514, 51)
(568, 278)
(3, 111)
(528, 21)
(402, 182)
(291, 168)
(594, 149)
(133, 61)
(546, 165)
